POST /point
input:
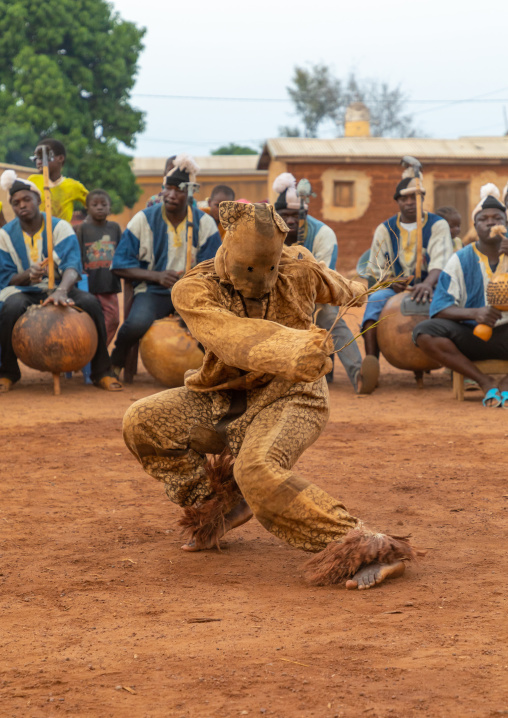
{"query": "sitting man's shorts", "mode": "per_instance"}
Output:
(462, 336)
(375, 304)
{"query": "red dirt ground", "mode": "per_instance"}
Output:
(102, 613)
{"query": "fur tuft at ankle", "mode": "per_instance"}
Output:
(340, 561)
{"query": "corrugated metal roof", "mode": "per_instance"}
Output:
(384, 149)
(212, 164)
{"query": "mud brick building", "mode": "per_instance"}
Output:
(354, 177)
(237, 171)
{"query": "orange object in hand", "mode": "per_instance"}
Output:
(483, 331)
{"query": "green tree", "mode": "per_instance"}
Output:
(318, 96)
(67, 68)
(233, 149)
(288, 131)
(385, 104)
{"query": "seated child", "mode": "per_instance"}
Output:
(98, 239)
(454, 220)
(64, 190)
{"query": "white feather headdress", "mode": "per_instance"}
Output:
(286, 182)
(9, 177)
(488, 190)
(185, 163)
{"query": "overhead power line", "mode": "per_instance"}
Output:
(477, 100)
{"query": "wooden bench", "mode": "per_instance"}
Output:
(491, 366)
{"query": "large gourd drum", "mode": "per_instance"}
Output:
(55, 339)
(399, 317)
(168, 350)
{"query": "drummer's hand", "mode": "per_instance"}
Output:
(398, 287)
(36, 273)
(59, 296)
(487, 315)
(168, 278)
(421, 293)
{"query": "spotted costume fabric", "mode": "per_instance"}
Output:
(261, 389)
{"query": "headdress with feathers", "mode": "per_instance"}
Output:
(184, 169)
(489, 199)
(285, 186)
(11, 183)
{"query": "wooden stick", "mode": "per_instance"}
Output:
(190, 237)
(419, 231)
(56, 384)
(49, 222)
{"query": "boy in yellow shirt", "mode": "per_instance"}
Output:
(64, 190)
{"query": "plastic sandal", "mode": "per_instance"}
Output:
(504, 399)
(109, 383)
(493, 394)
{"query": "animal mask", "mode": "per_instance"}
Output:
(252, 247)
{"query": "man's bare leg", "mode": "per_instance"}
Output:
(445, 352)
(236, 517)
(370, 338)
(375, 573)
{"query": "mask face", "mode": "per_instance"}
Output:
(253, 271)
(252, 247)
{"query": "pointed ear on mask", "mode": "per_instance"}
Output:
(278, 220)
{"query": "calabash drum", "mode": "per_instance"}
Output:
(55, 339)
(399, 317)
(168, 350)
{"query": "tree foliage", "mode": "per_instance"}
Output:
(318, 96)
(386, 106)
(233, 149)
(66, 71)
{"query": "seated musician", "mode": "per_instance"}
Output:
(152, 254)
(393, 254)
(459, 304)
(23, 278)
(321, 241)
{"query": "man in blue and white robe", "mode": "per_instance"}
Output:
(152, 255)
(321, 241)
(24, 282)
(459, 304)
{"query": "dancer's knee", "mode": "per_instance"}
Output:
(256, 479)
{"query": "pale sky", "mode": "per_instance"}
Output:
(439, 50)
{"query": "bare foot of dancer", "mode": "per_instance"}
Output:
(375, 573)
(236, 517)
